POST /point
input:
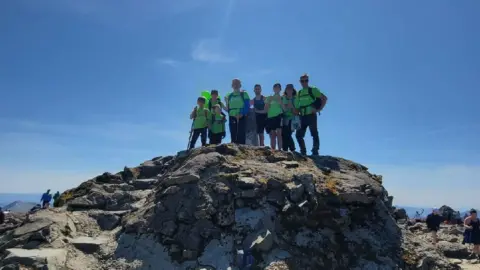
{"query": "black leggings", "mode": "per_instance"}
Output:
(287, 143)
(202, 132)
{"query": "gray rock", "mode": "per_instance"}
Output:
(290, 164)
(179, 179)
(453, 250)
(106, 220)
(218, 254)
(144, 183)
(50, 257)
(88, 244)
(295, 191)
(246, 182)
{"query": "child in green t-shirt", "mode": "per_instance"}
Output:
(200, 116)
(217, 126)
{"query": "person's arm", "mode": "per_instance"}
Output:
(193, 113)
(466, 223)
(267, 104)
(223, 106)
(317, 94)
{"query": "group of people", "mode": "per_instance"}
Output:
(279, 115)
(471, 224)
(47, 198)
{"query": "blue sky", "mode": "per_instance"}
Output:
(90, 86)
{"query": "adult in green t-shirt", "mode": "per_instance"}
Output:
(238, 103)
(201, 118)
(274, 107)
(288, 100)
(306, 107)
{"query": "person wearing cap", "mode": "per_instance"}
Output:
(472, 231)
(275, 108)
(309, 101)
(288, 100)
(433, 223)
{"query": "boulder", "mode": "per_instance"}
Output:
(51, 257)
(88, 244)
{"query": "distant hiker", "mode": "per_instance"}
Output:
(258, 103)
(433, 224)
(308, 103)
(200, 116)
(238, 105)
(56, 198)
(217, 125)
(274, 106)
(288, 100)
(2, 216)
(45, 200)
(472, 231)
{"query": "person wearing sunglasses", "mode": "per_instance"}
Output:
(310, 101)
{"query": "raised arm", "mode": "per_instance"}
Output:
(466, 223)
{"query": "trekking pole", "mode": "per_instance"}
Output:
(190, 136)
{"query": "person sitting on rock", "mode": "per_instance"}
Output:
(433, 224)
(200, 116)
(217, 125)
(472, 231)
(2, 216)
(45, 200)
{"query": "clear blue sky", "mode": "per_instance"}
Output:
(89, 86)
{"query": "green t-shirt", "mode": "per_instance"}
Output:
(303, 100)
(201, 118)
(288, 114)
(236, 103)
(218, 123)
(275, 107)
(213, 103)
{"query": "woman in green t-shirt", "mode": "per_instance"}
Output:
(288, 100)
(275, 108)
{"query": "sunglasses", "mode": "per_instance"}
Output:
(304, 80)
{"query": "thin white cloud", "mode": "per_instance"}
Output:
(431, 185)
(168, 62)
(211, 50)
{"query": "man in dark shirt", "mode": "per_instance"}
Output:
(433, 223)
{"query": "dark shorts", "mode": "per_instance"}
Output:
(261, 121)
(274, 123)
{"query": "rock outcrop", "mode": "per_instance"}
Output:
(223, 207)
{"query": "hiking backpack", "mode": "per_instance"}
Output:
(317, 102)
(242, 94)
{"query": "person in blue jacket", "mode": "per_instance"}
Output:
(45, 200)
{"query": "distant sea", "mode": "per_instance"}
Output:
(7, 198)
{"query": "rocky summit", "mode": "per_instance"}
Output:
(222, 207)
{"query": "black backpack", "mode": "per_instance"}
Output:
(317, 101)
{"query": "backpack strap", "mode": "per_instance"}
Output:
(210, 104)
(310, 92)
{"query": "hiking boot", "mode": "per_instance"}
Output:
(315, 153)
(303, 153)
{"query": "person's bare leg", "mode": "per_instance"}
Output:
(279, 139)
(435, 238)
(273, 141)
(261, 139)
